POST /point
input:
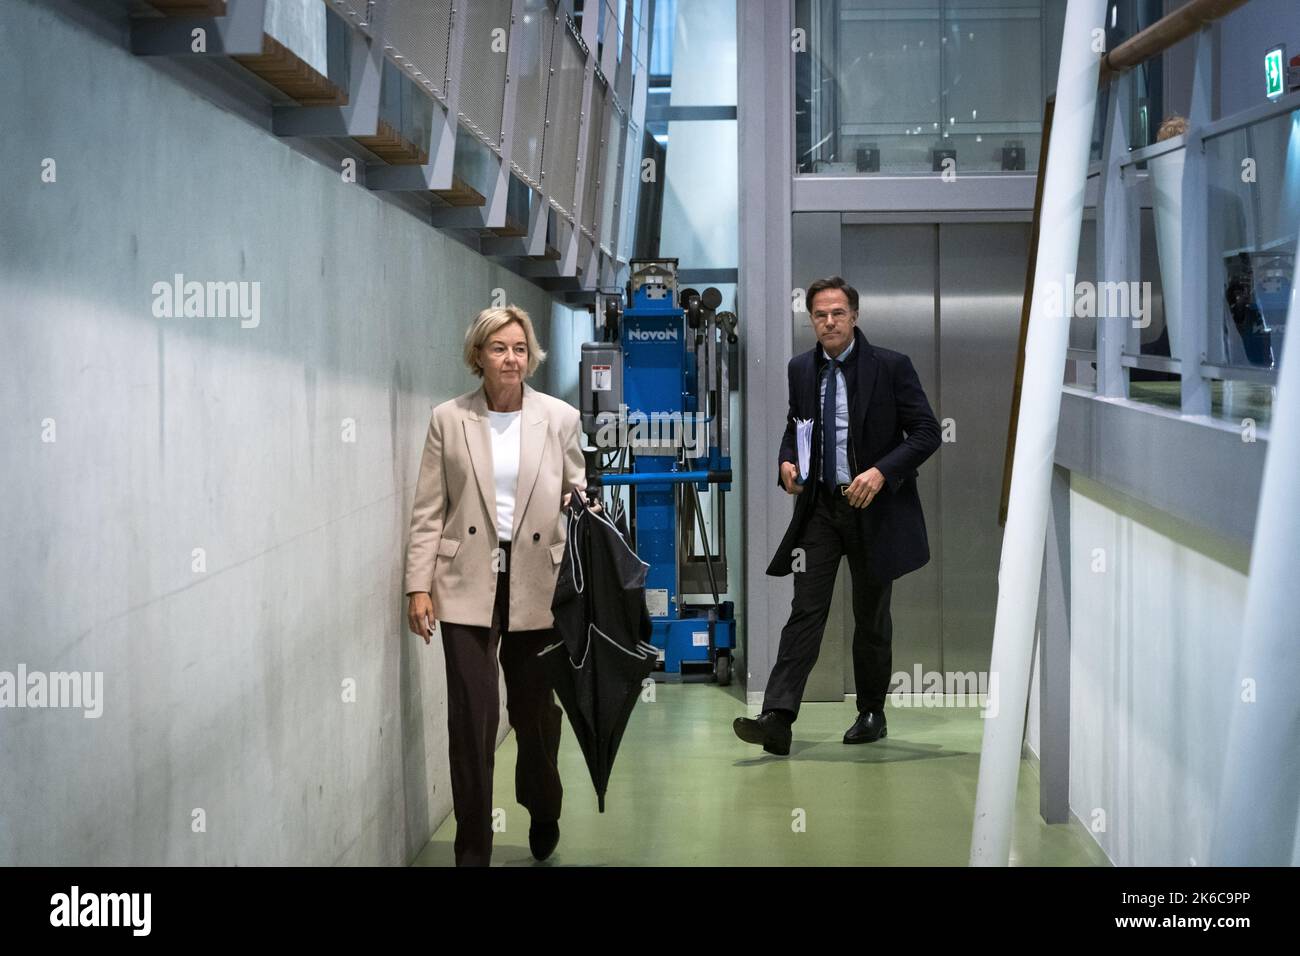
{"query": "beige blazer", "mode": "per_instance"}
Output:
(453, 539)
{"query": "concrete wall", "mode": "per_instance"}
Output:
(300, 25)
(131, 440)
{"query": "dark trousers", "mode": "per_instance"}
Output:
(831, 533)
(473, 706)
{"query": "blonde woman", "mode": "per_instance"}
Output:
(487, 535)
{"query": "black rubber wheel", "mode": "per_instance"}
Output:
(694, 314)
(722, 669)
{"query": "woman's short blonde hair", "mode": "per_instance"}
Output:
(492, 321)
(1173, 126)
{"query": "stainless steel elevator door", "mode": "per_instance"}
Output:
(981, 284)
(948, 296)
(895, 270)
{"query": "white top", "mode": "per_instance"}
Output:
(505, 466)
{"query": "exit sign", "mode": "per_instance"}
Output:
(1275, 71)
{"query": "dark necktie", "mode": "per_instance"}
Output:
(831, 440)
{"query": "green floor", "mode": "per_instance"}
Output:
(686, 792)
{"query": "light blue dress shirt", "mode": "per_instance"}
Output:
(842, 475)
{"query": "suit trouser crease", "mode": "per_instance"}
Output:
(833, 532)
(473, 707)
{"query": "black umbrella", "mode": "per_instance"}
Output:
(604, 652)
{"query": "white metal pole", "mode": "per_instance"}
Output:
(1040, 405)
(1259, 797)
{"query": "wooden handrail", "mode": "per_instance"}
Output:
(1031, 267)
(1163, 34)
(1139, 48)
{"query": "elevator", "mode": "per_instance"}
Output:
(949, 296)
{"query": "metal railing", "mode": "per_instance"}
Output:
(1185, 183)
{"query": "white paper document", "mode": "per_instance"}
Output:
(803, 436)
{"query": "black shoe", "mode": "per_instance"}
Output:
(542, 838)
(767, 729)
(868, 728)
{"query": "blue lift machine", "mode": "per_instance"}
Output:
(655, 399)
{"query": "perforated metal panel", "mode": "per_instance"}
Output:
(563, 102)
(416, 35)
(483, 68)
(631, 192)
(360, 13)
(598, 120)
(534, 34)
(615, 136)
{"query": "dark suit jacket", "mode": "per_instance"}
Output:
(892, 428)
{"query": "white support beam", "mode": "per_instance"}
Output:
(1259, 795)
(1020, 572)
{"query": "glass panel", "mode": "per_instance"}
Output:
(1145, 86)
(473, 164)
(899, 86)
(615, 137)
(635, 150)
(700, 198)
(661, 40)
(1229, 401)
(1254, 204)
(1083, 329)
(706, 31)
(1151, 335)
(1099, 124)
(405, 112)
